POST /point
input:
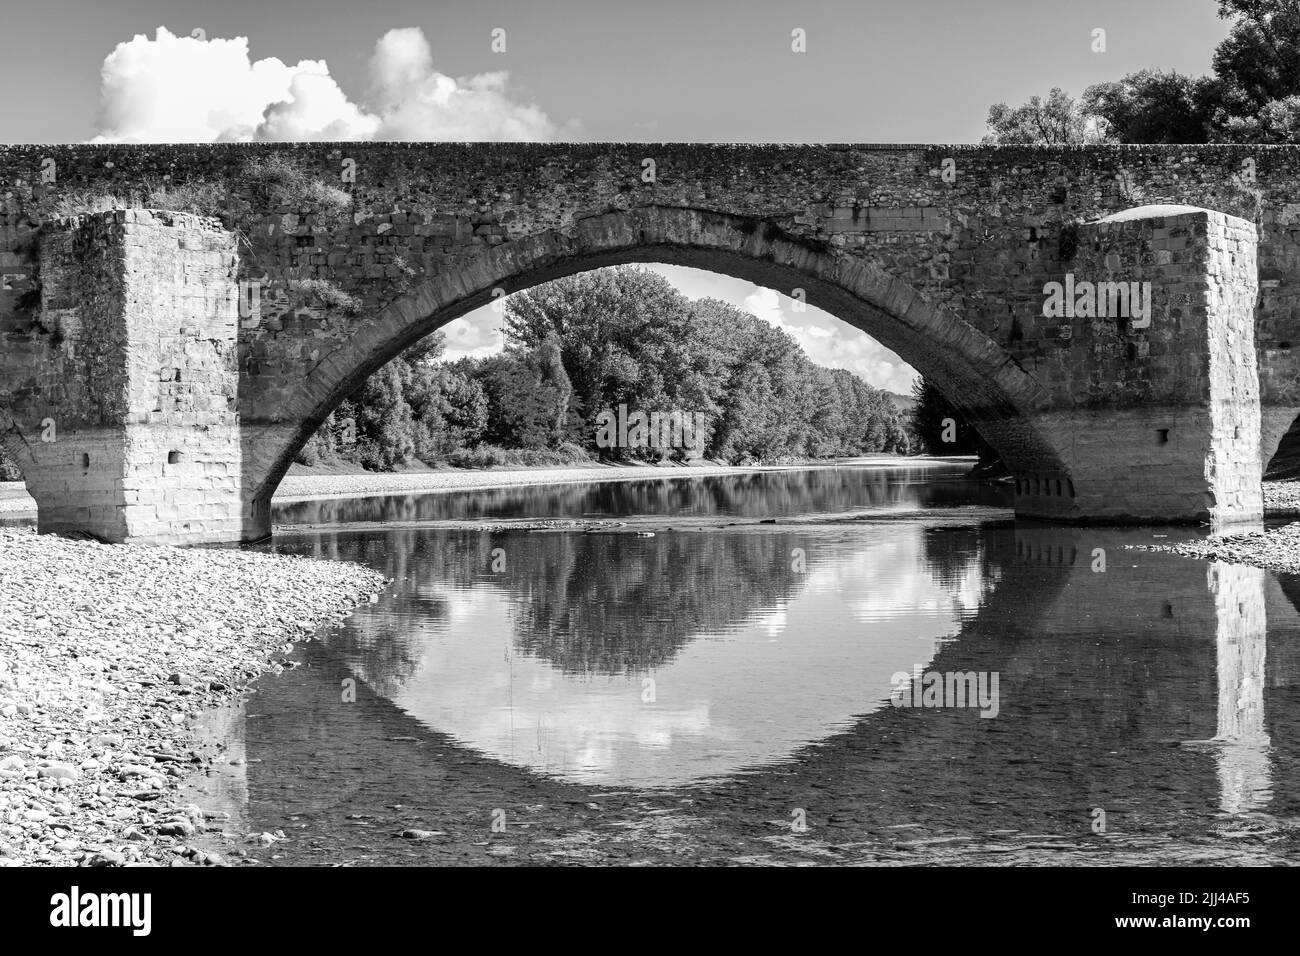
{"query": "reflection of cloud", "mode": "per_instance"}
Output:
(880, 592)
(187, 89)
(832, 343)
(772, 622)
(475, 335)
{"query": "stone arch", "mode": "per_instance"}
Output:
(972, 370)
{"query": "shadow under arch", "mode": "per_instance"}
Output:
(972, 370)
(13, 444)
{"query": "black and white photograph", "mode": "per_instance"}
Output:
(493, 434)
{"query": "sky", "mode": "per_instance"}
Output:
(903, 71)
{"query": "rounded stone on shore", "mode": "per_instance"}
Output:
(110, 654)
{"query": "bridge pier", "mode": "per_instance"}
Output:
(128, 430)
(1164, 424)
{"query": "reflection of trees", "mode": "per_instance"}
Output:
(950, 554)
(613, 604)
(617, 604)
(753, 495)
(385, 653)
(384, 645)
(610, 604)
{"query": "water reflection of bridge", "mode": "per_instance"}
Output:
(1162, 690)
(1142, 690)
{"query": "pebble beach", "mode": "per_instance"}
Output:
(1277, 550)
(108, 656)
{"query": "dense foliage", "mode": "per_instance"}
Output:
(587, 344)
(940, 428)
(1252, 96)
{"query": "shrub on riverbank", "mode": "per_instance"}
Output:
(493, 456)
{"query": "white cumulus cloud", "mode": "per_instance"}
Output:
(192, 90)
(831, 343)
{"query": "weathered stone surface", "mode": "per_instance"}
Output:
(140, 438)
(941, 253)
(1165, 420)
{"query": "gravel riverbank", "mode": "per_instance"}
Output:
(108, 655)
(1282, 497)
(1276, 550)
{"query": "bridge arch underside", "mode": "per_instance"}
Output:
(995, 394)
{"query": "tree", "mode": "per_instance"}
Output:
(1257, 67)
(1253, 95)
(450, 410)
(588, 343)
(385, 426)
(931, 418)
(1057, 121)
(1152, 106)
(625, 334)
(528, 395)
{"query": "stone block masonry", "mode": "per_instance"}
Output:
(137, 385)
(940, 253)
(1165, 424)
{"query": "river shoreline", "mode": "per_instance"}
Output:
(302, 485)
(1276, 550)
(112, 655)
(109, 657)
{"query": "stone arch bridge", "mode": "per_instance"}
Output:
(149, 395)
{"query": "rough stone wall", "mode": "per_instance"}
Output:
(136, 380)
(940, 252)
(981, 245)
(1165, 423)
(1235, 462)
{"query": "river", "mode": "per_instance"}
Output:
(837, 665)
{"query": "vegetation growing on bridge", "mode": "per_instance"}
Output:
(327, 294)
(265, 182)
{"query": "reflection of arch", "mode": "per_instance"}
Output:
(1175, 651)
(563, 634)
(1084, 723)
(972, 370)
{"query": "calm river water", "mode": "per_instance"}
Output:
(708, 671)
